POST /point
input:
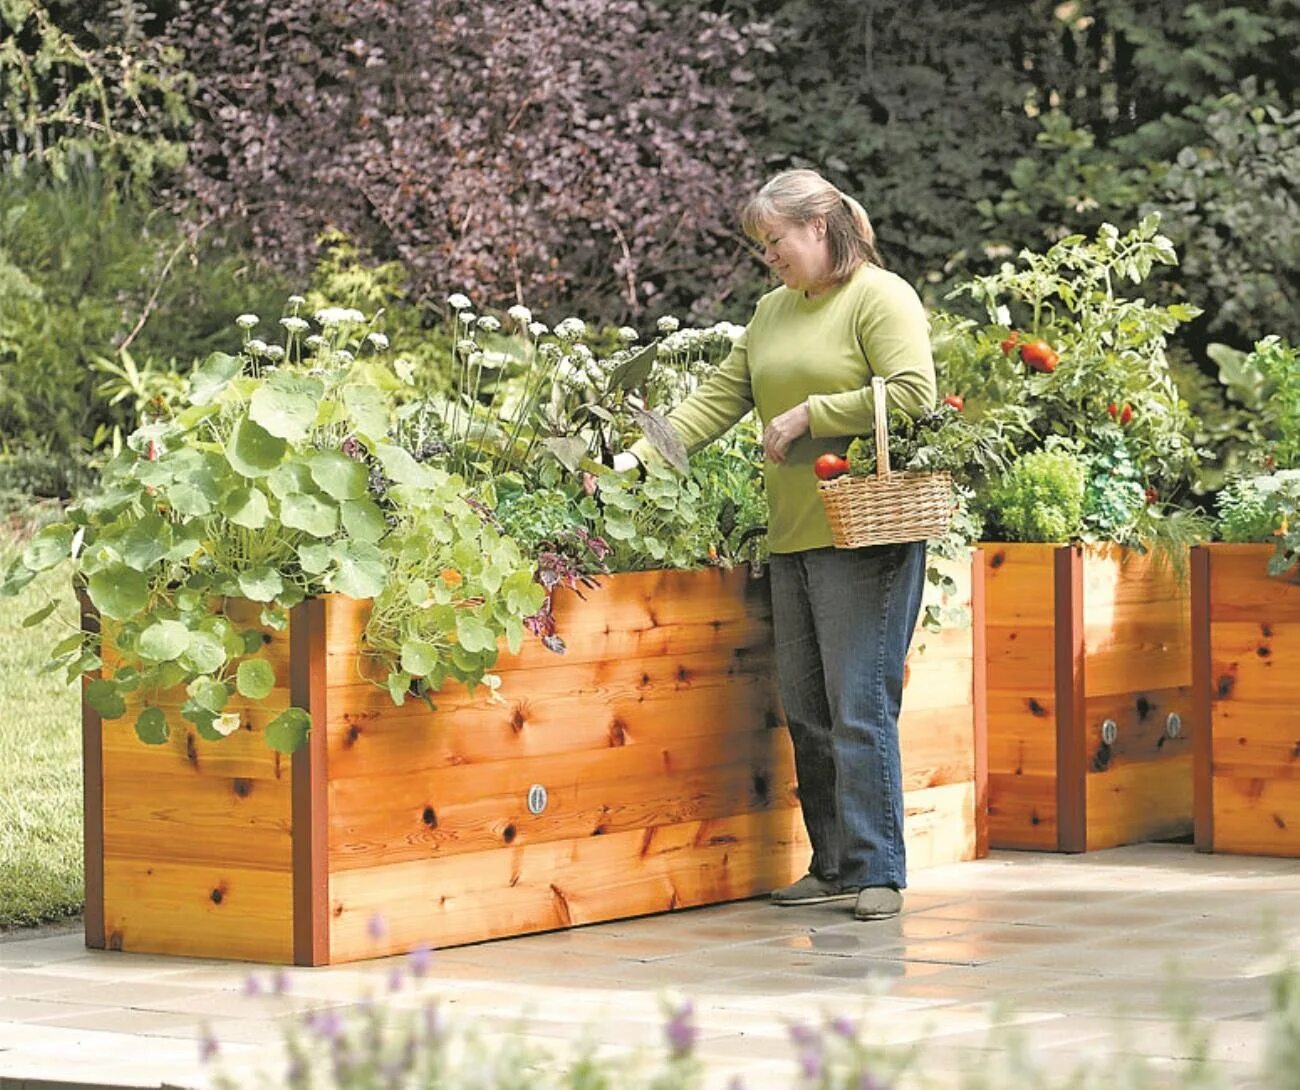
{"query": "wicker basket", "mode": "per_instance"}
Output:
(889, 507)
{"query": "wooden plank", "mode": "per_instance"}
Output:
(593, 793)
(633, 703)
(1134, 803)
(92, 781)
(1203, 727)
(1140, 720)
(1255, 660)
(1257, 816)
(642, 615)
(199, 819)
(309, 796)
(1071, 685)
(1022, 734)
(243, 755)
(538, 887)
(1244, 591)
(1015, 575)
(1137, 622)
(1256, 740)
(941, 825)
(1022, 811)
(198, 910)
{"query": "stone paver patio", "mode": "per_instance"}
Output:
(1078, 951)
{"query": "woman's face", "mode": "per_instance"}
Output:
(798, 253)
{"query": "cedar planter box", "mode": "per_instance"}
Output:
(1247, 685)
(1089, 654)
(645, 770)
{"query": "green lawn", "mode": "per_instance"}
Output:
(40, 761)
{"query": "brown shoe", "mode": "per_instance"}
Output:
(878, 903)
(811, 890)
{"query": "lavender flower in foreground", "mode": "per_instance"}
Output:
(681, 1030)
(208, 1046)
(419, 960)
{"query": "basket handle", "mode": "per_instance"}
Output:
(882, 426)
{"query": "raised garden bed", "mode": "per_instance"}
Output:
(1247, 685)
(1089, 697)
(646, 769)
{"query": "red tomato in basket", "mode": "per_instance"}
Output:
(829, 466)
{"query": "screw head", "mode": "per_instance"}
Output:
(1173, 725)
(536, 799)
(1109, 731)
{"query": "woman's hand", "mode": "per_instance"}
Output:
(783, 430)
(624, 462)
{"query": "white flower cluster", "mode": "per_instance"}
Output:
(520, 313)
(488, 324)
(378, 341)
(458, 302)
(294, 324)
(331, 316)
(247, 321)
(627, 334)
(668, 324)
(570, 329)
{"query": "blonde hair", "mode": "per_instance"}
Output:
(801, 196)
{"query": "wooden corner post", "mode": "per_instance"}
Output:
(310, 797)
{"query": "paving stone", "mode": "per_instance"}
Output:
(1075, 956)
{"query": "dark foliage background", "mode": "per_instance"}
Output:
(589, 156)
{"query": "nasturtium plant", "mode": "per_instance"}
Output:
(273, 480)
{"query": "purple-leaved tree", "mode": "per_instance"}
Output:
(583, 151)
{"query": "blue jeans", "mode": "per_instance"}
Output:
(843, 620)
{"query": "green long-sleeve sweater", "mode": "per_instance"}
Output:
(822, 350)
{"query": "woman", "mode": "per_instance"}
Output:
(843, 618)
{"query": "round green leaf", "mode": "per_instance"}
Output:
(401, 468)
(285, 405)
(290, 479)
(164, 641)
(195, 484)
(252, 451)
(151, 727)
(255, 678)
(209, 695)
(247, 507)
(209, 380)
(118, 591)
(48, 547)
(418, 657)
(314, 557)
(361, 571)
(337, 475)
(261, 583)
(367, 410)
(146, 543)
(205, 654)
(363, 520)
(473, 634)
(399, 684)
(288, 730)
(311, 514)
(102, 695)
